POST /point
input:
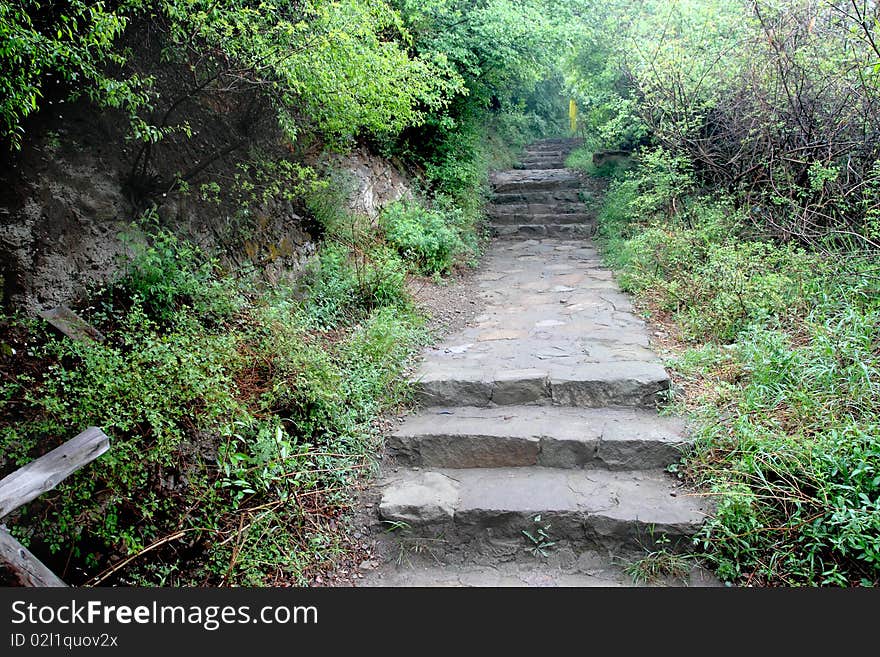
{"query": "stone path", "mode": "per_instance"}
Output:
(539, 417)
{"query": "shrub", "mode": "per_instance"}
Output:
(169, 274)
(235, 437)
(429, 238)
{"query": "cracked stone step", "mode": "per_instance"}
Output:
(621, 383)
(503, 575)
(542, 219)
(587, 569)
(590, 508)
(539, 231)
(541, 163)
(537, 166)
(551, 149)
(541, 196)
(549, 436)
(520, 181)
(527, 209)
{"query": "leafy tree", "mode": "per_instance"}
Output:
(71, 44)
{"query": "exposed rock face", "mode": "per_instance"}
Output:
(374, 182)
(63, 232)
(66, 216)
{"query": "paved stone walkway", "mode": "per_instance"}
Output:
(539, 419)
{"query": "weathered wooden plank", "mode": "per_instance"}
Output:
(44, 473)
(25, 567)
(71, 324)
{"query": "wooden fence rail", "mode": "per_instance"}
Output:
(31, 481)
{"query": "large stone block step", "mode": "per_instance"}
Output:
(541, 231)
(537, 166)
(585, 508)
(546, 149)
(521, 181)
(547, 196)
(559, 147)
(559, 207)
(543, 219)
(549, 436)
(625, 383)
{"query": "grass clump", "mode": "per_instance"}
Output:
(779, 369)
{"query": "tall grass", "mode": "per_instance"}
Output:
(779, 371)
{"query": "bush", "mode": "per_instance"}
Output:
(235, 437)
(168, 275)
(343, 284)
(428, 238)
(782, 382)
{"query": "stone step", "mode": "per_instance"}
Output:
(559, 218)
(537, 166)
(541, 231)
(559, 207)
(594, 385)
(559, 139)
(544, 155)
(601, 571)
(546, 151)
(585, 508)
(546, 196)
(521, 181)
(559, 568)
(553, 148)
(549, 436)
(563, 145)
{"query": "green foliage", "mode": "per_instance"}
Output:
(235, 435)
(171, 274)
(72, 43)
(768, 100)
(783, 381)
(539, 538)
(427, 237)
(613, 169)
(344, 65)
(501, 48)
(659, 564)
(343, 284)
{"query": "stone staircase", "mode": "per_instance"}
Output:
(541, 198)
(541, 415)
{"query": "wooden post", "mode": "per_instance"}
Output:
(31, 481)
(46, 472)
(71, 324)
(27, 569)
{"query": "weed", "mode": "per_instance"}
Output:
(238, 423)
(427, 237)
(659, 564)
(539, 538)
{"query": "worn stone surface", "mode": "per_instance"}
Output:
(603, 574)
(423, 498)
(588, 508)
(552, 436)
